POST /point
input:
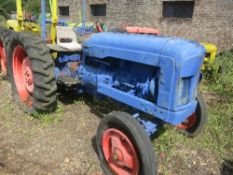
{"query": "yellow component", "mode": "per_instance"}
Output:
(21, 25)
(54, 20)
(211, 51)
(17, 25)
(14, 25)
(31, 26)
(19, 14)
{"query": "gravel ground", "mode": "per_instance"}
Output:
(65, 146)
(30, 146)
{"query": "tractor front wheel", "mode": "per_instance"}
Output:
(123, 146)
(195, 123)
(31, 74)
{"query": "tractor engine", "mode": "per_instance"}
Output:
(153, 74)
(129, 77)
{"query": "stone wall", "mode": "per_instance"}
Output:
(75, 8)
(212, 19)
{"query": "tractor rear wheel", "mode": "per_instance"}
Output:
(5, 39)
(31, 70)
(123, 146)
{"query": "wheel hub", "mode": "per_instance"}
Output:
(117, 155)
(23, 75)
(27, 75)
(120, 153)
(188, 123)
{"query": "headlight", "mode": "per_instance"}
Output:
(183, 91)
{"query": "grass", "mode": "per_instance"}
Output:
(218, 133)
(217, 137)
(49, 118)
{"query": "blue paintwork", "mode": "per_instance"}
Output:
(68, 58)
(84, 3)
(43, 20)
(150, 126)
(81, 30)
(153, 74)
(60, 22)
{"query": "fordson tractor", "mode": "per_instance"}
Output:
(156, 76)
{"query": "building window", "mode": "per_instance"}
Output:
(178, 9)
(98, 9)
(64, 10)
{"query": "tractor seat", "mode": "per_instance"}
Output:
(66, 38)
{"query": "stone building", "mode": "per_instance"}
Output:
(201, 20)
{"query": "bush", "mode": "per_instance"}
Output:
(2, 21)
(222, 82)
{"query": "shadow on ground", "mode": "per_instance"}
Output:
(227, 167)
(102, 106)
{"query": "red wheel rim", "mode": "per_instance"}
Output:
(3, 60)
(120, 153)
(188, 123)
(23, 75)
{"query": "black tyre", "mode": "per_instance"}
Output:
(124, 147)
(196, 122)
(31, 71)
(5, 40)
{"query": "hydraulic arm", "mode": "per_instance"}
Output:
(53, 6)
(19, 15)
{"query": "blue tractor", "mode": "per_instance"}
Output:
(154, 75)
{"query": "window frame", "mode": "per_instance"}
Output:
(67, 13)
(175, 3)
(94, 7)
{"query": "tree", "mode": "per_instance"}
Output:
(8, 6)
(4, 13)
(32, 6)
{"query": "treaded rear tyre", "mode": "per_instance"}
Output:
(131, 128)
(41, 97)
(5, 39)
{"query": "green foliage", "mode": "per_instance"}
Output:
(8, 5)
(4, 13)
(2, 21)
(49, 118)
(222, 82)
(32, 6)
